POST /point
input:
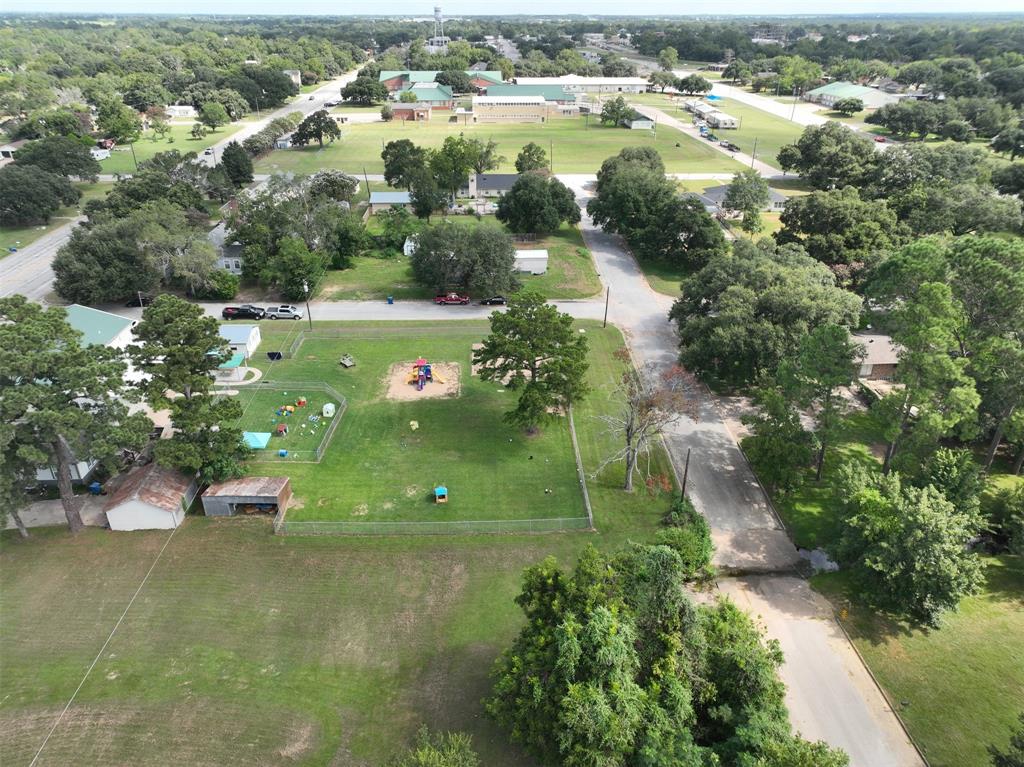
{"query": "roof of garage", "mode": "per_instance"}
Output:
(248, 486)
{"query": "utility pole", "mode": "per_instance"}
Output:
(309, 315)
(753, 154)
(131, 145)
(551, 156)
(686, 471)
(607, 294)
(367, 180)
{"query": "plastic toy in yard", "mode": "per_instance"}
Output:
(422, 374)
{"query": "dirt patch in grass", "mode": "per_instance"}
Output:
(400, 387)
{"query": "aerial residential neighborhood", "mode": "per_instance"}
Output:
(563, 386)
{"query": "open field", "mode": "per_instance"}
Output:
(179, 137)
(571, 272)
(576, 148)
(245, 648)
(960, 687)
(770, 132)
(379, 468)
(20, 236)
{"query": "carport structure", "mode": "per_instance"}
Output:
(247, 495)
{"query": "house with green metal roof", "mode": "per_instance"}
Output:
(432, 94)
(553, 93)
(828, 95)
(400, 79)
(100, 328)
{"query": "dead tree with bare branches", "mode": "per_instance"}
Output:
(650, 401)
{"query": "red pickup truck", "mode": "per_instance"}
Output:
(451, 298)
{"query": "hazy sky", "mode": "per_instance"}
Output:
(455, 7)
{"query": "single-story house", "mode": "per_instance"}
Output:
(295, 75)
(437, 96)
(283, 142)
(720, 66)
(580, 84)
(385, 200)
(243, 339)
(637, 121)
(183, 111)
(531, 261)
(229, 254)
(225, 499)
(400, 79)
(716, 196)
(99, 154)
(523, 109)
(99, 327)
(151, 497)
(828, 95)
(881, 356)
(488, 184)
(415, 112)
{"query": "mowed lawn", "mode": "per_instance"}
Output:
(21, 236)
(959, 687)
(770, 131)
(571, 272)
(576, 148)
(179, 137)
(245, 648)
(379, 468)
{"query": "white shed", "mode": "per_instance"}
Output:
(243, 339)
(531, 261)
(150, 498)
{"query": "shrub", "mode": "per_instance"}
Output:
(687, 532)
(221, 286)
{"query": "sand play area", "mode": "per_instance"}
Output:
(400, 384)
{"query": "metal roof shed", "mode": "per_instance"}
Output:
(224, 499)
(150, 498)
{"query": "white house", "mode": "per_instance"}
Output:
(284, 142)
(150, 498)
(637, 121)
(295, 75)
(531, 261)
(183, 111)
(243, 339)
(99, 153)
(229, 253)
(488, 184)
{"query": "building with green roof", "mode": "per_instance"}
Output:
(437, 96)
(401, 79)
(828, 95)
(100, 328)
(554, 93)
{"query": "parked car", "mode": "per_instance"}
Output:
(711, 137)
(284, 312)
(880, 139)
(493, 301)
(140, 299)
(243, 312)
(332, 103)
(208, 150)
(730, 146)
(451, 298)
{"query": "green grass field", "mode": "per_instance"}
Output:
(770, 132)
(960, 687)
(377, 468)
(571, 271)
(246, 648)
(260, 405)
(179, 137)
(576, 148)
(21, 236)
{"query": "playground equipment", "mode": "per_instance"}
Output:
(282, 429)
(422, 374)
(328, 410)
(440, 494)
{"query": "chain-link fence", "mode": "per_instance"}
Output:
(285, 526)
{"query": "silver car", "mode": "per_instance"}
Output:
(284, 312)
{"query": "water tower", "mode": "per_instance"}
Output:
(438, 22)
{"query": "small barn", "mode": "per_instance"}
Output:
(637, 121)
(151, 497)
(531, 261)
(246, 495)
(243, 339)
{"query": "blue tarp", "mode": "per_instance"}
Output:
(257, 440)
(440, 490)
(709, 97)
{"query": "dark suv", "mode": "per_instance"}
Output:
(243, 312)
